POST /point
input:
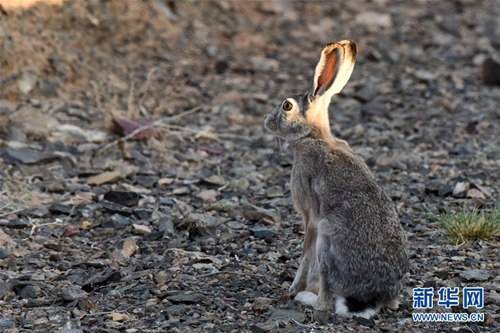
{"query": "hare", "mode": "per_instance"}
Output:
(354, 256)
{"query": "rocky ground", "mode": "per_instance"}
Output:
(139, 192)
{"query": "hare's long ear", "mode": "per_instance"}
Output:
(334, 68)
(332, 72)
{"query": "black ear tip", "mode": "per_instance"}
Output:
(354, 48)
(353, 45)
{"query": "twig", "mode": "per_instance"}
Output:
(101, 313)
(130, 100)
(12, 212)
(241, 274)
(149, 126)
(222, 135)
(302, 325)
(147, 84)
(35, 226)
(97, 95)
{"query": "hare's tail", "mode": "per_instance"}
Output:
(350, 307)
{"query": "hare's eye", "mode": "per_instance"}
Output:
(287, 106)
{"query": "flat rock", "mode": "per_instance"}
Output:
(123, 198)
(476, 275)
(264, 233)
(105, 177)
(6, 323)
(26, 156)
(69, 330)
(286, 315)
(4, 253)
(188, 298)
(141, 229)
(73, 293)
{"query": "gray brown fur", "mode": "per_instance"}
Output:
(354, 245)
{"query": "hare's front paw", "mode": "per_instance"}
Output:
(295, 287)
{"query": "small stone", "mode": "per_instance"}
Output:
(118, 316)
(129, 248)
(262, 303)
(491, 72)
(235, 225)
(215, 180)
(6, 323)
(27, 82)
(141, 229)
(4, 253)
(27, 156)
(181, 190)
(241, 184)
(105, 177)
(437, 187)
(224, 205)
(120, 221)
(264, 233)
(166, 225)
(29, 292)
(365, 322)
(492, 297)
(286, 315)
(73, 293)
(255, 213)
(165, 181)
(148, 181)
(476, 275)
(69, 330)
(188, 298)
(57, 208)
(161, 278)
(205, 267)
(274, 192)
(5, 239)
(475, 194)
(123, 198)
(460, 189)
(48, 88)
(322, 317)
(425, 75)
(209, 196)
(71, 230)
(176, 309)
(86, 225)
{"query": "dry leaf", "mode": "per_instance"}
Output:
(124, 127)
